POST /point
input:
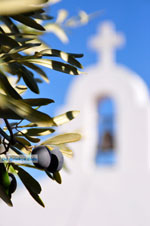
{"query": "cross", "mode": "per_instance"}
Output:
(106, 42)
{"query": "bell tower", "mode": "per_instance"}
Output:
(124, 131)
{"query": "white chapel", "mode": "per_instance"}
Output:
(109, 179)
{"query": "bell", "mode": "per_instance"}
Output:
(107, 143)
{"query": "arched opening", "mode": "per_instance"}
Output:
(106, 127)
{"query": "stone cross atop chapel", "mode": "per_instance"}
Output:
(106, 42)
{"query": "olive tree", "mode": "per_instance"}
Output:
(22, 53)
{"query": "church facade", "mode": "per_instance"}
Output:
(114, 150)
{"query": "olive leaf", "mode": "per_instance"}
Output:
(29, 138)
(23, 47)
(21, 89)
(7, 41)
(7, 88)
(4, 196)
(62, 139)
(38, 70)
(58, 31)
(8, 22)
(23, 141)
(28, 125)
(55, 65)
(57, 177)
(57, 53)
(23, 145)
(30, 183)
(38, 101)
(28, 21)
(65, 150)
(16, 68)
(66, 117)
(4, 184)
(29, 79)
(23, 110)
(49, 174)
(37, 198)
(37, 131)
(4, 178)
(76, 55)
(17, 6)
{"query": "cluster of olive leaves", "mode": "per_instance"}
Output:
(20, 32)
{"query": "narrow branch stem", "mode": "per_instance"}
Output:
(12, 140)
(8, 139)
